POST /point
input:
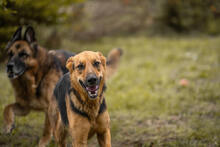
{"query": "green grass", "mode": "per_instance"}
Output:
(148, 106)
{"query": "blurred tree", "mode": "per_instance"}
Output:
(190, 15)
(97, 18)
(14, 13)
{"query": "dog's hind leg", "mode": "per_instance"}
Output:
(9, 113)
(47, 132)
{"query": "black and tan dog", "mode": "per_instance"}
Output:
(78, 106)
(33, 73)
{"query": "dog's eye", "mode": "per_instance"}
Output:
(80, 67)
(23, 55)
(96, 64)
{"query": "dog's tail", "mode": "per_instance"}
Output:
(113, 59)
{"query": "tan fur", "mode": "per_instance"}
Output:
(80, 128)
(34, 88)
(113, 61)
(60, 56)
(25, 96)
(25, 87)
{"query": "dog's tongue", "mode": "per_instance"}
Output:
(92, 88)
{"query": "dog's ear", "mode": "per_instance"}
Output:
(29, 35)
(70, 64)
(103, 59)
(15, 37)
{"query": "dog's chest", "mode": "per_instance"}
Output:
(26, 94)
(24, 88)
(96, 128)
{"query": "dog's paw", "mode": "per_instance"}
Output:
(43, 142)
(8, 129)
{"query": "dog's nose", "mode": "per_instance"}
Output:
(10, 66)
(91, 80)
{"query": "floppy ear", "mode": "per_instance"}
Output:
(29, 35)
(103, 59)
(15, 37)
(70, 64)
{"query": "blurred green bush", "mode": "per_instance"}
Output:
(115, 17)
(14, 13)
(94, 19)
(192, 15)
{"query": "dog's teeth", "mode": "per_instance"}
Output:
(93, 93)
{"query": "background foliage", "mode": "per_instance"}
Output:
(148, 105)
(191, 15)
(89, 20)
(164, 42)
(14, 13)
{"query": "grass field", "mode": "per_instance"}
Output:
(147, 104)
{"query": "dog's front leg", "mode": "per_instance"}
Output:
(104, 138)
(103, 132)
(9, 113)
(79, 133)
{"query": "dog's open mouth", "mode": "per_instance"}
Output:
(91, 90)
(13, 75)
(16, 69)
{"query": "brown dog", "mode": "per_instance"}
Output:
(78, 106)
(33, 73)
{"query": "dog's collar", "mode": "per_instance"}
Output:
(103, 90)
(102, 106)
(76, 110)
